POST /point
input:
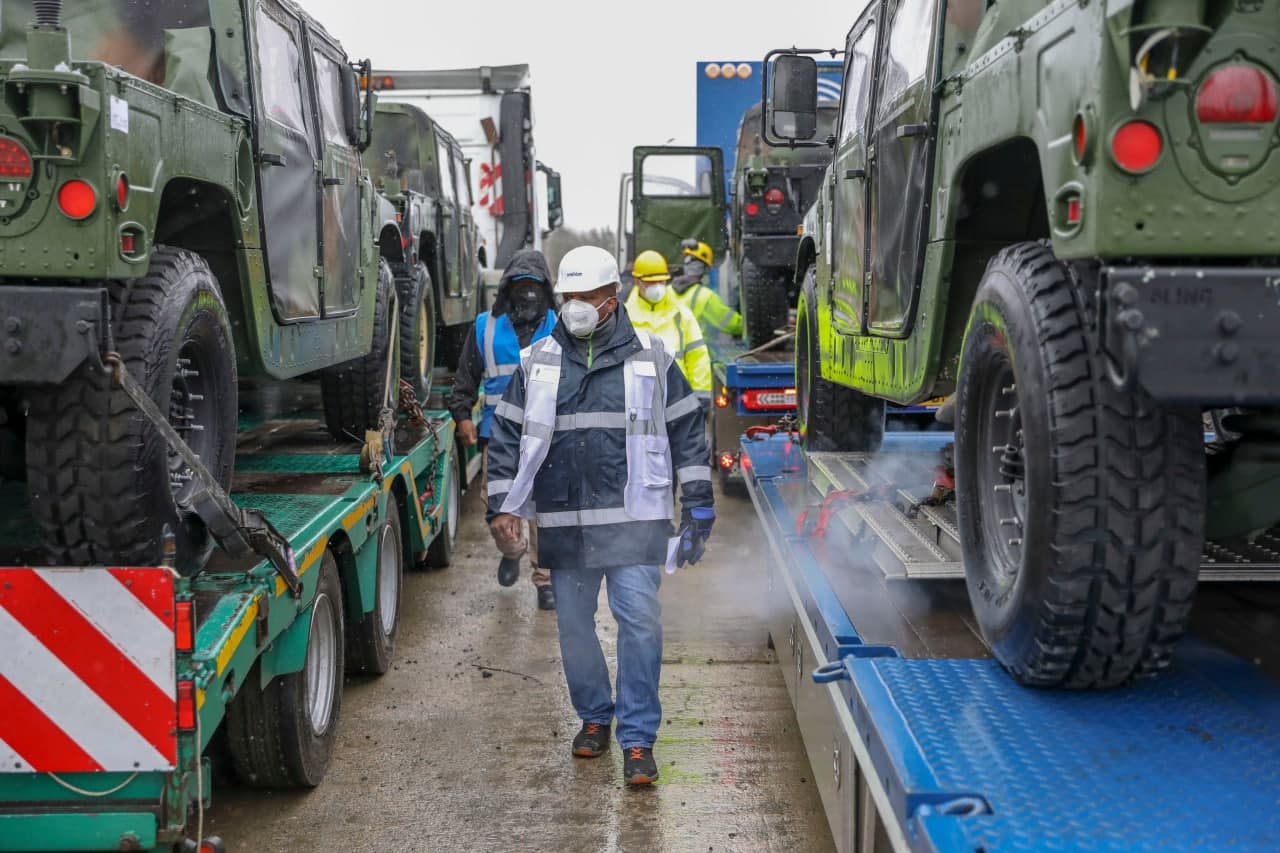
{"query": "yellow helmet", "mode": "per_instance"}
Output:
(697, 249)
(650, 267)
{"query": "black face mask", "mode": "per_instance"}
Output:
(527, 305)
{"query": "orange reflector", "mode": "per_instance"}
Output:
(726, 460)
(387, 82)
(184, 624)
(186, 705)
(722, 400)
(77, 198)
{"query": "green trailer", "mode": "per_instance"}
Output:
(121, 684)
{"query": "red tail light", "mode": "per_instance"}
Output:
(1079, 137)
(122, 192)
(77, 198)
(15, 162)
(1136, 146)
(184, 629)
(752, 208)
(1237, 94)
(186, 705)
(774, 196)
(727, 460)
(769, 400)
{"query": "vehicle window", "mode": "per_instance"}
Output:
(676, 175)
(329, 90)
(461, 180)
(749, 141)
(442, 157)
(907, 55)
(394, 150)
(857, 85)
(281, 72)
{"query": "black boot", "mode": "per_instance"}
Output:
(638, 766)
(546, 598)
(508, 570)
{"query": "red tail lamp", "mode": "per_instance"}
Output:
(77, 199)
(1136, 146)
(726, 460)
(774, 199)
(184, 626)
(186, 705)
(752, 208)
(15, 162)
(122, 191)
(1237, 94)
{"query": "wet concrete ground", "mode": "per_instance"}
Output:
(465, 744)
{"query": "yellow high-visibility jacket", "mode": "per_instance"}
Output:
(671, 320)
(711, 311)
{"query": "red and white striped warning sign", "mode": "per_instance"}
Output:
(87, 677)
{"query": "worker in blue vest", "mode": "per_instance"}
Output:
(523, 312)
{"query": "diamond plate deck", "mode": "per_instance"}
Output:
(928, 546)
(1188, 761)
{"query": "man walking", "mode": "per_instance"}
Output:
(710, 310)
(523, 312)
(594, 423)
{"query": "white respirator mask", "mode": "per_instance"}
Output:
(580, 318)
(653, 293)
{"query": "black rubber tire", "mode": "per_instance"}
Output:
(98, 473)
(1089, 581)
(831, 416)
(269, 731)
(763, 294)
(352, 392)
(370, 647)
(417, 318)
(440, 551)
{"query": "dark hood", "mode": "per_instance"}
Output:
(524, 262)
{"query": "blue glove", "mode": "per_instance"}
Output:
(693, 534)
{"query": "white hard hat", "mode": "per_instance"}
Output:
(586, 268)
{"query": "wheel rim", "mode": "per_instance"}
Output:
(192, 414)
(388, 579)
(322, 651)
(1001, 471)
(424, 344)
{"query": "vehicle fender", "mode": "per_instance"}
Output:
(288, 653)
(806, 253)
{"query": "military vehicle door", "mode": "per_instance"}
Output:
(900, 165)
(340, 187)
(626, 246)
(678, 192)
(468, 274)
(289, 149)
(849, 176)
(449, 220)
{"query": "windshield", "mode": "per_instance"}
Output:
(143, 37)
(749, 131)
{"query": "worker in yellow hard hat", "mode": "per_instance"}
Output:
(654, 307)
(708, 308)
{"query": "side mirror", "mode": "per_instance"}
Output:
(795, 97)
(357, 122)
(555, 205)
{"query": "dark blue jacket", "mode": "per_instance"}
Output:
(586, 468)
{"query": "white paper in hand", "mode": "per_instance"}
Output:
(673, 548)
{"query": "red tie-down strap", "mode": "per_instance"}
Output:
(760, 433)
(834, 501)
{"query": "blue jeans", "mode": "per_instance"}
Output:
(633, 598)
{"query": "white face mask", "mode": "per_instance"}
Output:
(580, 318)
(653, 293)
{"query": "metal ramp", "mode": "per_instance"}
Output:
(928, 544)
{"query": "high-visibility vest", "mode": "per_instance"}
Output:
(648, 493)
(710, 310)
(500, 350)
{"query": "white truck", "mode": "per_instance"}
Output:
(517, 200)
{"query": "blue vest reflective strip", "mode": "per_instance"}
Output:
(500, 352)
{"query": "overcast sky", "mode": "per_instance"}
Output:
(606, 75)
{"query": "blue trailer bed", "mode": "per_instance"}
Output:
(919, 741)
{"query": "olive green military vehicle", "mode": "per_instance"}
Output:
(771, 190)
(428, 236)
(181, 195)
(1065, 213)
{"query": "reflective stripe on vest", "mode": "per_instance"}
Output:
(500, 350)
(647, 496)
